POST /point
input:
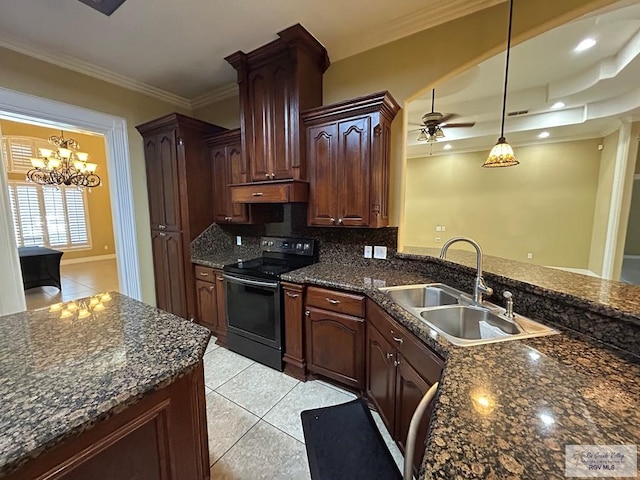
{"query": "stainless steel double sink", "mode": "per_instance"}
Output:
(453, 314)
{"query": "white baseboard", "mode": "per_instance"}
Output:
(632, 257)
(96, 258)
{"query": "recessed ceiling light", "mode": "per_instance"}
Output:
(557, 105)
(585, 44)
(544, 135)
(447, 147)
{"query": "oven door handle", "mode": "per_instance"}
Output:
(253, 283)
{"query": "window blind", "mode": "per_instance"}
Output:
(18, 151)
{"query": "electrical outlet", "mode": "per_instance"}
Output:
(444, 229)
(238, 240)
(368, 251)
(529, 255)
(438, 228)
(380, 252)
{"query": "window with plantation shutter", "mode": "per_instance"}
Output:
(49, 216)
(18, 151)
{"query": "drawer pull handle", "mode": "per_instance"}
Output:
(257, 194)
(204, 274)
(397, 340)
(292, 295)
(332, 301)
(220, 278)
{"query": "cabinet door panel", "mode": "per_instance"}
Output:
(237, 173)
(322, 151)
(154, 182)
(353, 171)
(410, 388)
(221, 331)
(169, 272)
(335, 346)
(381, 375)
(220, 190)
(281, 134)
(261, 124)
(207, 305)
(169, 182)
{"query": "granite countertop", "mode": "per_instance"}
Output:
(59, 376)
(606, 296)
(507, 410)
(218, 259)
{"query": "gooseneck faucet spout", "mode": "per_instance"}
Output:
(480, 287)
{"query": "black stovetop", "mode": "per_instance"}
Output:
(279, 255)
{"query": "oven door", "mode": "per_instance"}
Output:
(254, 309)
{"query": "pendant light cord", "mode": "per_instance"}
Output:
(506, 70)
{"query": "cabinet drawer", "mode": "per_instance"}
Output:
(270, 192)
(334, 301)
(424, 360)
(205, 274)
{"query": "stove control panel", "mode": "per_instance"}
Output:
(291, 246)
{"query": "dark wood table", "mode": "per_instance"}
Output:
(40, 267)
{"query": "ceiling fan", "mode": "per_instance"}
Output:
(433, 122)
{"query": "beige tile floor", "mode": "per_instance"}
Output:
(78, 280)
(253, 418)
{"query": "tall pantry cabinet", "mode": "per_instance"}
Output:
(179, 179)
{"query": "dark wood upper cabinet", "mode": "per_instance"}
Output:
(179, 179)
(348, 157)
(277, 82)
(229, 167)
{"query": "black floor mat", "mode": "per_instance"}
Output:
(343, 442)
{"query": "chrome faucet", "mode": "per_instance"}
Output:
(479, 287)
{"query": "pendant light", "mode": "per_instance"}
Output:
(502, 154)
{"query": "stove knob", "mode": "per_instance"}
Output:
(264, 243)
(271, 243)
(307, 246)
(299, 246)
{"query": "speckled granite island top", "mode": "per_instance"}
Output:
(59, 376)
(506, 410)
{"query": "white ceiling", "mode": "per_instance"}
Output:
(176, 49)
(600, 87)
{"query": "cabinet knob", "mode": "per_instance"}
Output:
(211, 288)
(162, 227)
(307, 313)
(389, 355)
(333, 220)
(396, 363)
(339, 221)
(267, 175)
(273, 175)
(292, 295)
(162, 234)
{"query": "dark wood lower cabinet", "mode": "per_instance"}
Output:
(221, 295)
(162, 437)
(294, 361)
(381, 374)
(207, 305)
(171, 290)
(335, 346)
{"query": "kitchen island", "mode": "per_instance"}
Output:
(104, 387)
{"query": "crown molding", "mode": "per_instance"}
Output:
(406, 25)
(223, 92)
(95, 71)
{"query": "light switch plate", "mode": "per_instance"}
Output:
(368, 251)
(380, 252)
(438, 228)
(238, 240)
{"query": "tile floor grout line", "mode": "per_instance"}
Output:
(236, 404)
(229, 379)
(235, 443)
(279, 429)
(278, 402)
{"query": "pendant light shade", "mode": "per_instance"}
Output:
(501, 154)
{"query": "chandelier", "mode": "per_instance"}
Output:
(63, 166)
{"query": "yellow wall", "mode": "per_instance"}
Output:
(543, 206)
(603, 202)
(25, 74)
(632, 243)
(98, 202)
(225, 113)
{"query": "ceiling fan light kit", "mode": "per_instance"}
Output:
(501, 154)
(433, 122)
